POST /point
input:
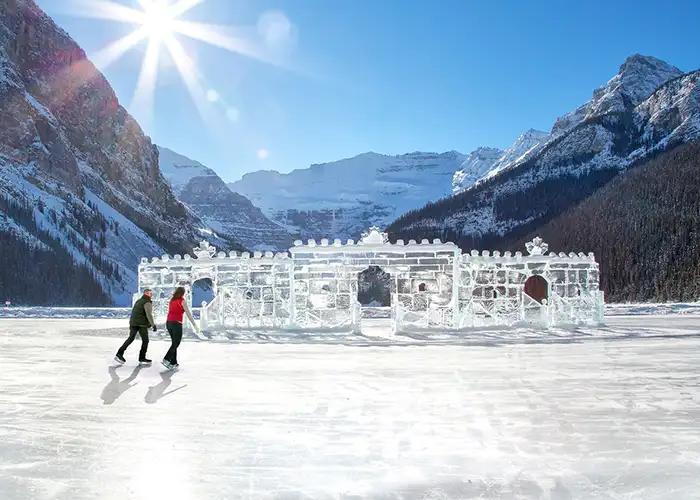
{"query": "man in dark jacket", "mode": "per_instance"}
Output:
(141, 320)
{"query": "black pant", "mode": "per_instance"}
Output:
(133, 330)
(175, 331)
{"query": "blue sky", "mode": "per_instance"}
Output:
(391, 76)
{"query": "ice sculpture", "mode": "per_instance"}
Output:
(426, 285)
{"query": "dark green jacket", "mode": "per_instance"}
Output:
(142, 313)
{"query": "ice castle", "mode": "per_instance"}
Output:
(427, 285)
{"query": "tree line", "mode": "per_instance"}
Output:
(644, 228)
(35, 275)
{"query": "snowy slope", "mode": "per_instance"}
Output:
(179, 170)
(228, 213)
(487, 162)
(524, 147)
(342, 198)
(635, 119)
(479, 163)
(73, 154)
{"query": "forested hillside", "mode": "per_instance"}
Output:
(643, 226)
(37, 270)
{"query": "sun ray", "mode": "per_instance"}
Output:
(183, 6)
(116, 49)
(188, 71)
(105, 9)
(216, 35)
(142, 102)
(160, 23)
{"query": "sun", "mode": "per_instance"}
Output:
(158, 19)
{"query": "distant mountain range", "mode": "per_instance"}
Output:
(487, 162)
(343, 198)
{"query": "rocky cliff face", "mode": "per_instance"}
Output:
(70, 150)
(229, 214)
(343, 198)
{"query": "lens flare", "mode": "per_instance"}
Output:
(160, 23)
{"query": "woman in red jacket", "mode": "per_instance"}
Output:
(177, 309)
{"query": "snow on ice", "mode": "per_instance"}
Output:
(537, 418)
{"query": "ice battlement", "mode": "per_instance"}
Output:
(496, 256)
(201, 258)
(372, 240)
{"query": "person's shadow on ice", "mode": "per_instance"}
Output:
(117, 387)
(156, 392)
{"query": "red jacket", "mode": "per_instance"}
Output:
(176, 310)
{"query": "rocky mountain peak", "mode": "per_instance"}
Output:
(230, 214)
(639, 76)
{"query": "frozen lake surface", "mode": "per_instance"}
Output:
(590, 414)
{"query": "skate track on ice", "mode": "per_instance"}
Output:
(561, 415)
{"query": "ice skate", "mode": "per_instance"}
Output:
(119, 359)
(145, 361)
(169, 365)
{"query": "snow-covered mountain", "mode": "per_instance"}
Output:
(648, 106)
(343, 198)
(638, 77)
(475, 166)
(228, 213)
(77, 174)
(486, 162)
(524, 147)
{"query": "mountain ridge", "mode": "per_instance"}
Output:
(343, 198)
(228, 213)
(577, 162)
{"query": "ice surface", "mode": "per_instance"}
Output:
(585, 419)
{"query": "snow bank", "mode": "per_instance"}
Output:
(123, 312)
(65, 312)
(651, 309)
